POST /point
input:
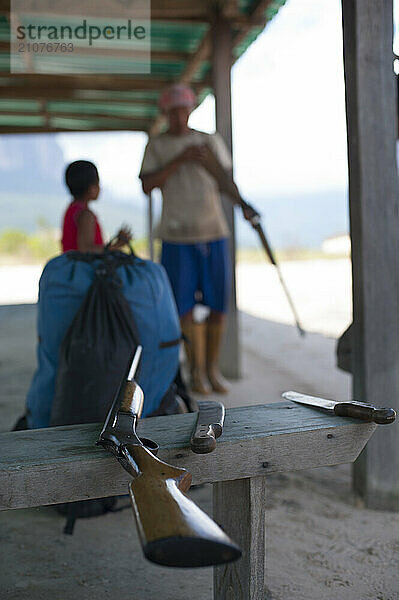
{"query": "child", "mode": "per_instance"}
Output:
(81, 229)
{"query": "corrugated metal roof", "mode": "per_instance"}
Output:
(47, 101)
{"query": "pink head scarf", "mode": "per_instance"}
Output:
(176, 96)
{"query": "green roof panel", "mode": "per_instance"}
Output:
(83, 107)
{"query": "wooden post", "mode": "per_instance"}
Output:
(239, 507)
(150, 226)
(221, 71)
(374, 216)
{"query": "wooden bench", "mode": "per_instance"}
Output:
(61, 464)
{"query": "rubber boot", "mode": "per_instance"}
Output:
(213, 345)
(195, 345)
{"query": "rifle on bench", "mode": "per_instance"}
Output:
(227, 185)
(173, 531)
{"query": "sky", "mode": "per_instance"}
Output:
(288, 113)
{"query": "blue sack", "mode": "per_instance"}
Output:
(63, 286)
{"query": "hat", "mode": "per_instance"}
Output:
(175, 96)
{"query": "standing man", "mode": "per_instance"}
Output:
(193, 230)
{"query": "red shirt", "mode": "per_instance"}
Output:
(70, 228)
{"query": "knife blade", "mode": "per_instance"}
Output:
(209, 426)
(352, 408)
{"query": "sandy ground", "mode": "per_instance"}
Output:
(321, 291)
(319, 545)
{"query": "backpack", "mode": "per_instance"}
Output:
(145, 288)
(96, 351)
(88, 306)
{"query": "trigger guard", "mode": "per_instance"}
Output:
(150, 445)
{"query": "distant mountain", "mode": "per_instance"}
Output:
(32, 167)
(31, 187)
(20, 211)
(298, 221)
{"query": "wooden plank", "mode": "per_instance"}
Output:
(222, 45)
(48, 466)
(374, 207)
(239, 507)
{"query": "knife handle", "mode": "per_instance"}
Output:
(204, 439)
(365, 412)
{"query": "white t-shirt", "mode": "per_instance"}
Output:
(191, 211)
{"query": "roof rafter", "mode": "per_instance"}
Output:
(202, 53)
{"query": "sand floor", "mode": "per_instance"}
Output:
(319, 545)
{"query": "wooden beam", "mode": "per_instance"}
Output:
(7, 130)
(48, 93)
(242, 22)
(160, 9)
(371, 111)
(55, 90)
(37, 81)
(202, 53)
(101, 116)
(61, 464)
(256, 18)
(59, 94)
(109, 101)
(238, 20)
(123, 52)
(222, 45)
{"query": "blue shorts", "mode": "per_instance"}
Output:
(199, 274)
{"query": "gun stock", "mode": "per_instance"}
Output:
(173, 531)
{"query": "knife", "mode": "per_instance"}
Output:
(352, 408)
(209, 426)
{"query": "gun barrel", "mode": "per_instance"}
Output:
(135, 363)
(125, 392)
